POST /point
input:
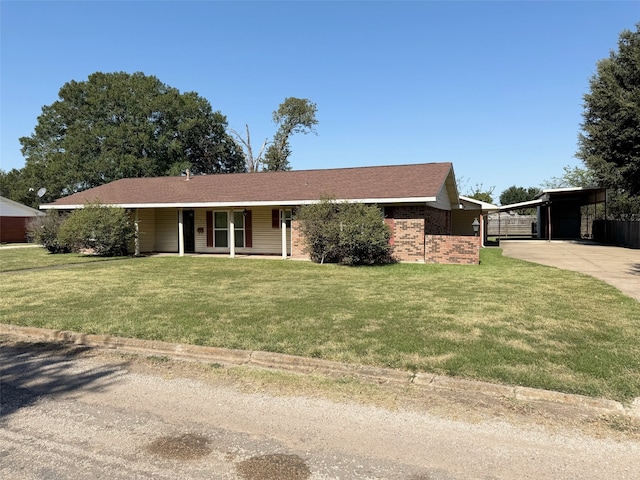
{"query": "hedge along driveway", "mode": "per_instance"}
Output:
(505, 320)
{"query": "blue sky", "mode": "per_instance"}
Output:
(494, 87)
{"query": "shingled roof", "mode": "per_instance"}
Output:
(394, 183)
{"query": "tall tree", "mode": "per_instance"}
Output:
(117, 125)
(252, 163)
(610, 142)
(294, 115)
(515, 194)
(572, 177)
(479, 192)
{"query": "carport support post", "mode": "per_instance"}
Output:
(549, 221)
(180, 233)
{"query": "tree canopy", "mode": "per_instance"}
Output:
(294, 115)
(478, 192)
(117, 125)
(610, 142)
(572, 177)
(515, 194)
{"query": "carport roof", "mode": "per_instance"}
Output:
(584, 195)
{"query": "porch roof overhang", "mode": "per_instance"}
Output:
(283, 203)
(468, 203)
(392, 184)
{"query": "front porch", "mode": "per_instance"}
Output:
(225, 231)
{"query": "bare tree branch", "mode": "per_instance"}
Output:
(253, 164)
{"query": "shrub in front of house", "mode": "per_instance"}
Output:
(364, 237)
(44, 230)
(321, 230)
(347, 233)
(105, 231)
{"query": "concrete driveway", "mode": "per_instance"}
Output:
(617, 266)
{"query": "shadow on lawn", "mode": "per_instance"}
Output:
(32, 371)
(635, 269)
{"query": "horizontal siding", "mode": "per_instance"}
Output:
(200, 224)
(147, 229)
(443, 202)
(166, 229)
(159, 232)
(266, 240)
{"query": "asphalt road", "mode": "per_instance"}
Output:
(69, 415)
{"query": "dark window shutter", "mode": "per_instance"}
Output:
(275, 218)
(248, 230)
(209, 229)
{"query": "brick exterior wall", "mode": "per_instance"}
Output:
(297, 242)
(408, 240)
(451, 249)
(411, 238)
(437, 222)
(409, 224)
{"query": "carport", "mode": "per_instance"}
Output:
(560, 212)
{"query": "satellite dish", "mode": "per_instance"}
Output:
(41, 192)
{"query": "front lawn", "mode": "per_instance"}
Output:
(505, 320)
(23, 258)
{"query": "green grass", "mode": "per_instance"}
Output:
(12, 259)
(505, 320)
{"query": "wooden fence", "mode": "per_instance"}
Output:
(506, 225)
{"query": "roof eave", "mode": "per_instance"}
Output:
(261, 203)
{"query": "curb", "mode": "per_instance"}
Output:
(305, 365)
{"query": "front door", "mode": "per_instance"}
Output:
(188, 225)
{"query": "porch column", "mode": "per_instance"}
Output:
(180, 233)
(232, 237)
(284, 236)
(137, 233)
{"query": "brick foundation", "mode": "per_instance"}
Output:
(449, 249)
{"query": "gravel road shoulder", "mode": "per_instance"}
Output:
(124, 415)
